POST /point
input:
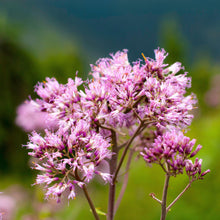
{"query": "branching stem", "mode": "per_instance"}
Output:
(125, 152)
(155, 198)
(125, 181)
(178, 197)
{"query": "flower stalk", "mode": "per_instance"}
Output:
(90, 203)
(164, 198)
(125, 181)
(178, 197)
(125, 152)
(112, 185)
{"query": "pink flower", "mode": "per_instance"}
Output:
(172, 150)
(30, 117)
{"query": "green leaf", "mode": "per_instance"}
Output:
(99, 212)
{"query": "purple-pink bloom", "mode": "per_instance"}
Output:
(68, 158)
(172, 151)
(120, 96)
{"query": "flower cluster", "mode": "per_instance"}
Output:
(119, 96)
(118, 91)
(173, 151)
(69, 158)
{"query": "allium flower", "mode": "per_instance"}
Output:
(173, 151)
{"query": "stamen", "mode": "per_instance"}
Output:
(144, 57)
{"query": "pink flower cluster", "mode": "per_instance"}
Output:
(119, 96)
(69, 158)
(172, 150)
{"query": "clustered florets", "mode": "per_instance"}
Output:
(120, 96)
(172, 150)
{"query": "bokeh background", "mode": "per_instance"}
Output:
(40, 38)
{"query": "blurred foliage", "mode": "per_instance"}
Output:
(173, 41)
(199, 68)
(20, 70)
(18, 73)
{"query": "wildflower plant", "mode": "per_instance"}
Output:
(124, 109)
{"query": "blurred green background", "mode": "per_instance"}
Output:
(57, 38)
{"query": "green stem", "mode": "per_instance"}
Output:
(178, 197)
(164, 198)
(125, 151)
(112, 185)
(90, 202)
(125, 181)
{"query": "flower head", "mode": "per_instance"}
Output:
(68, 159)
(173, 151)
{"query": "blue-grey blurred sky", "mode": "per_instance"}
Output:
(103, 26)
